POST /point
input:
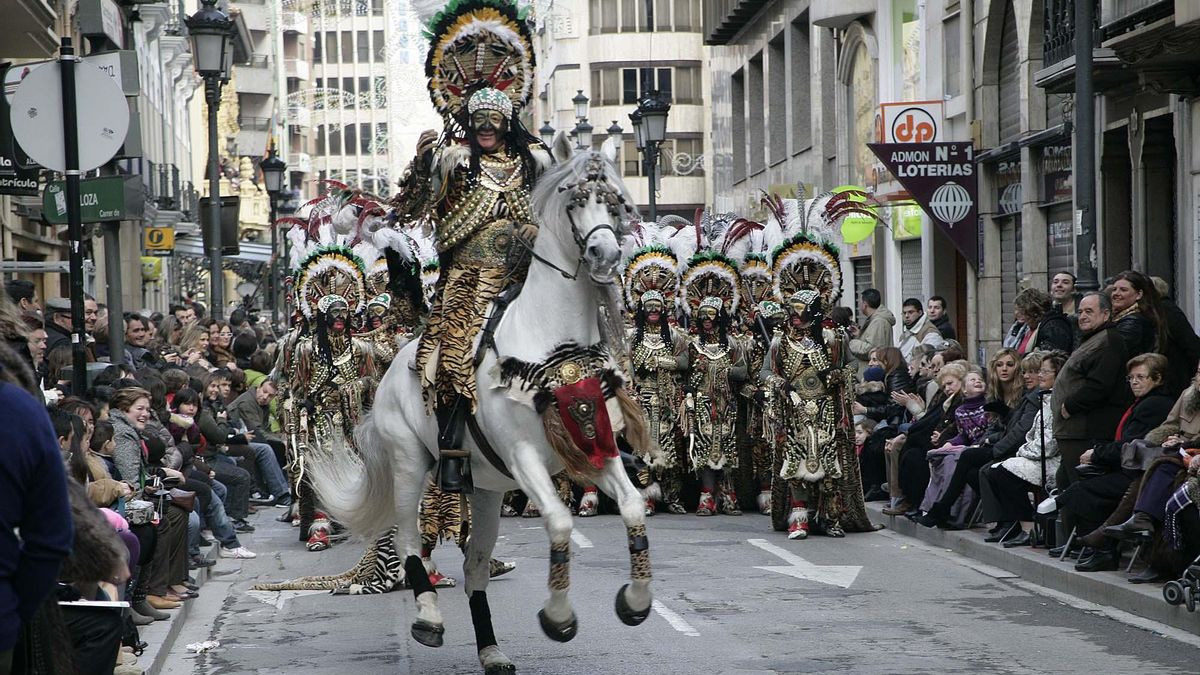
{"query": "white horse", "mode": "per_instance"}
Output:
(579, 204)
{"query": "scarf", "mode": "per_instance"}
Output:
(1125, 418)
(1183, 497)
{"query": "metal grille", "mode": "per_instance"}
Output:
(911, 274)
(1010, 265)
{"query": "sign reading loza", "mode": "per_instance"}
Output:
(100, 199)
(159, 241)
(941, 177)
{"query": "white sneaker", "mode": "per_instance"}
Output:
(1048, 505)
(240, 552)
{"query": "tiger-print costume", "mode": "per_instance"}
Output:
(443, 518)
(379, 571)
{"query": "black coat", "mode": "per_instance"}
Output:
(1139, 334)
(1091, 386)
(1183, 349)
(945, 328)
(897, 380)
(1055, 332)
(1020, 421)
(1147, 413)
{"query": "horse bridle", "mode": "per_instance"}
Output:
(594, 181)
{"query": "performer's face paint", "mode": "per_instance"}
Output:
(801, 318)
(490, 127)
(339, 317)
(708, 319)
(653, 311)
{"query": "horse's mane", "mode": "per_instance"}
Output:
(549, 199)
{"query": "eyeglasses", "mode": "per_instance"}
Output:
(1046, 371)
(225, 333)
(1137, 378)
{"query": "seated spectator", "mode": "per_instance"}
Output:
(870, 393)
(244, 346)
(138, 354)
(971, 423)
(1004, 378)
(58, 360)
(252, 410)
(895, 381)
(1005, 486)
(1087, 503)
(918, 366)
(1000, 442)
(908, 471)
(193, 345)
(220, 341)
(1138, 314)
(220, 440)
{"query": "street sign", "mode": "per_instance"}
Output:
(159, 241)
(100, 199)
(941, 177)
(17, 176)
(37, 116)
(911, 122)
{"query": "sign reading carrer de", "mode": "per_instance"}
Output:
(941, 178)
(100, 200)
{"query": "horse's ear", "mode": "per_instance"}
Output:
(609, 150)
(561, 147)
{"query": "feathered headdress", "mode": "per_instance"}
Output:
(330, 270)
(474, 45)
(709, 276)
(802, 262)
(650, 264)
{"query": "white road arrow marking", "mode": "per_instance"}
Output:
(833, 575)
(672, 617)
(278, 598)
(580, 540)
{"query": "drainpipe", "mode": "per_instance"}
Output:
(967, 51)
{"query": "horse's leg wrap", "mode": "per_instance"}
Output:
(560, 567)
(481, 618)
(427, 628)
(639, 553)
(633, 600)
(559, 629)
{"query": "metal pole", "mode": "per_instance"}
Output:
(1086, 272)
(113, 294)
(212, 92)
(66, 62)
(273, 279)
(651, 171)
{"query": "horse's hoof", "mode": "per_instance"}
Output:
(494, 661)
(563, 633)
(499, 669)
(626, 614)
(427, 633)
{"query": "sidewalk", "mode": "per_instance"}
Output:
(161, 635)
(1035, 566)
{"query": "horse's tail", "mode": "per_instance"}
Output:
(357, 489)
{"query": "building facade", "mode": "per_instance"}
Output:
(613, 51)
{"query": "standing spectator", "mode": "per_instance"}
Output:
(1062, 292)
(36, 342)
(137, 341)
(58, 323)
(15, 333)
(1044, 330)
(1182, 345)
(876, 330)
(1137, 313)
(918, 329)
(936, 308)
(35, 517)
(23, 294)
(1090, 393)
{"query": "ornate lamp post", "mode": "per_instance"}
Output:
(583, 133)
(274, 170)
(547, 133)
(616, 133)
(211, 32)
(650, 127)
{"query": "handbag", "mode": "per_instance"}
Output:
(139, 511)
(184, 499)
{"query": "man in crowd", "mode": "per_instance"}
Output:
(1062, 291)
(186, 314)
(23, 294)
(253, 409)
(91, 315)
(1090, 393)
(876, 330)
(137, 337)
(37, 344)
(936, 310)
(58, 323)
(918, 329)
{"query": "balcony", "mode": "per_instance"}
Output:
(1118, 16)
(724, 18)
(839, 13)
(1157, 43)
(294, 22)
(29, 28)
(256, 77)
(301, 162)
(300, 116)
(1057, 75)
(297, 69)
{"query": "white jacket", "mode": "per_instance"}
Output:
(1027, 465)
(923, 332)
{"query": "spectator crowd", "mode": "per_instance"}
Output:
(120, 490)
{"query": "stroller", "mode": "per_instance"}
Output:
(1185, 590)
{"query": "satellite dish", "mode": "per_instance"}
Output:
(37, 116)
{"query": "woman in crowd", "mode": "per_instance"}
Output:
(971, 423)
(193, 345)
(1043, 329)
(213, 421)
(1005, 378)
(1004, 486)
(1138, 313)
(1087, 503)
(896, 380)
(1004, 436)
(168, 333)
(908, 471)
(160, 583)
(220, 341)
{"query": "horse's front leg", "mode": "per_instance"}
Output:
(485, 526)
(529, 468)
(634, 598)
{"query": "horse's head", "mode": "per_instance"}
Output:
(584, 192)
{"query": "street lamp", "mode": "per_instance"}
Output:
(581, 104)
(211, 32)
(650, 128)
(273, 170)
(547, 133)
(639, 135)
(583, 132)
(616, 133)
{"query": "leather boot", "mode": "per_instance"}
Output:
(1139, 525)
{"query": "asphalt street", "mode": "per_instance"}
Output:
(732, 597)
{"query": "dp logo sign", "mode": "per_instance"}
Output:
(911, 122)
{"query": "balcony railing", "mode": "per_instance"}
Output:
(1058, 38)
(724, 18)
(255, 123)
(1120, 15)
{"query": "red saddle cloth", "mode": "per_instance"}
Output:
(585, 416)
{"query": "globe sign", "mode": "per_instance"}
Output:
(951, 203)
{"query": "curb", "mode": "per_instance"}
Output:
(161, 635)
(1033, 565)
